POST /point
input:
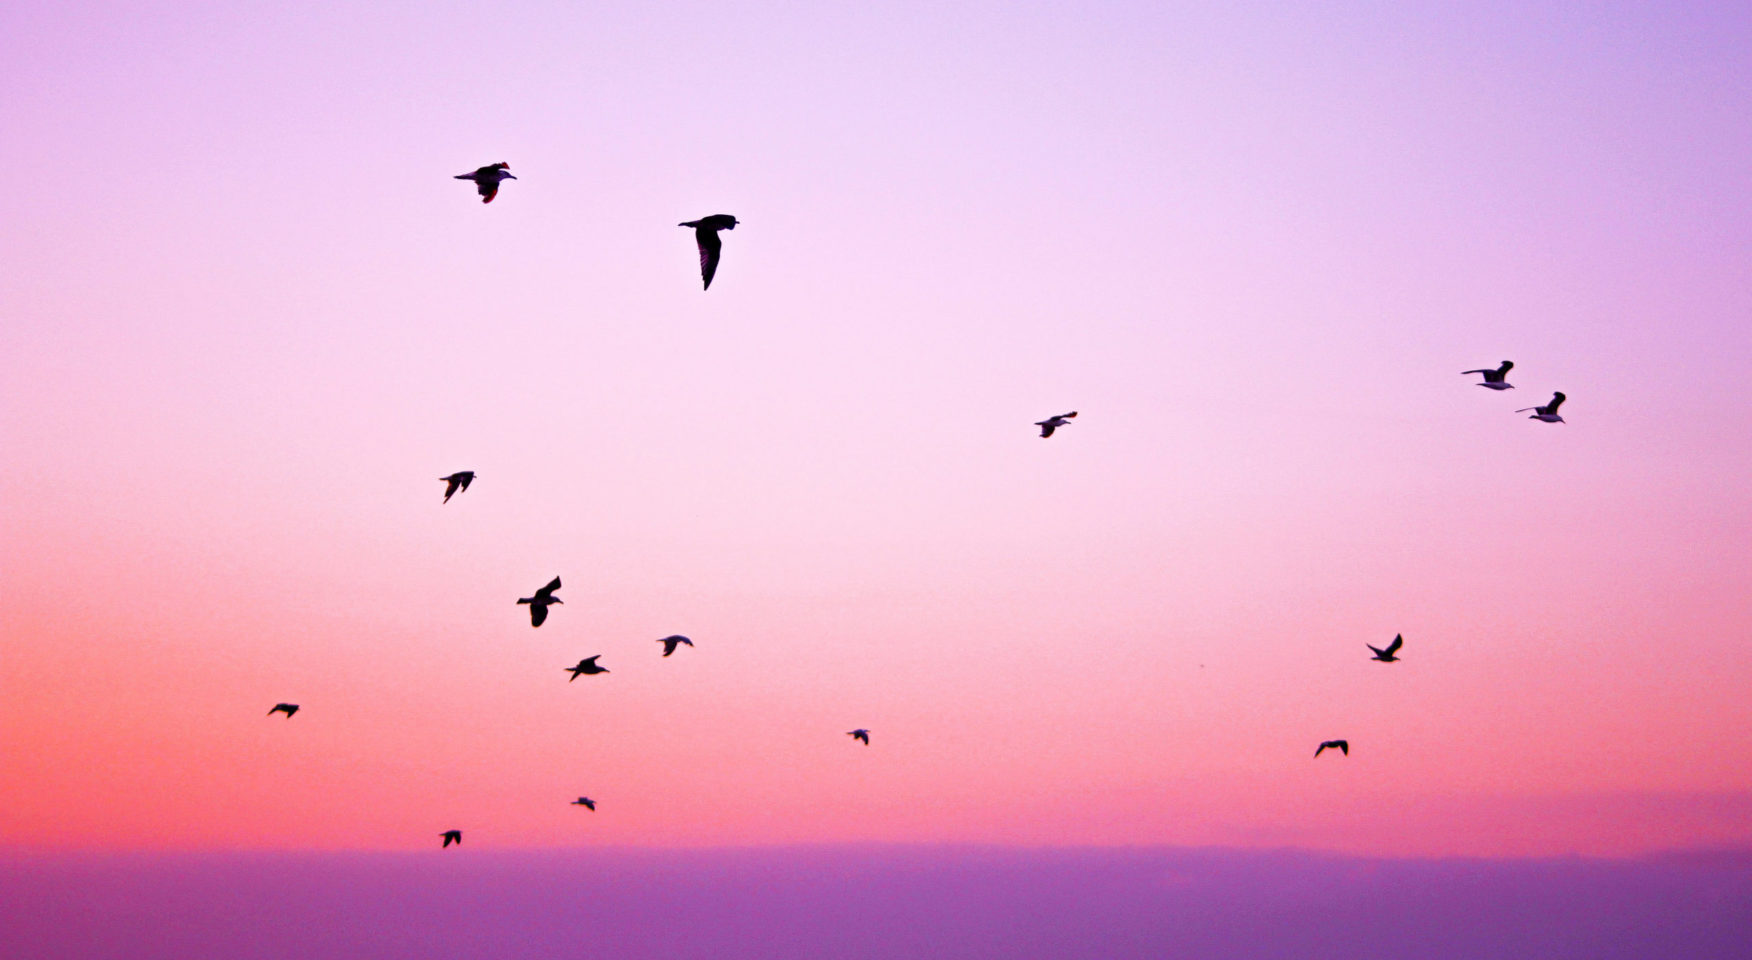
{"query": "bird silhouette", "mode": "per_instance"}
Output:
(1342, 746)
(487, 178)
(584, 802)
(286, 708)
(706, 235)
(455, 482)
(1387, 655)
(860, 734)
(450, 837)
(670, 643)
(1050, 424)
(1547, 413)
(585, 668)
(538, 604)
(1493, 379)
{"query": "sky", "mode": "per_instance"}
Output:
(247, 319)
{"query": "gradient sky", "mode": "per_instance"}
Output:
(247, 319)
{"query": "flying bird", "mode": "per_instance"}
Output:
(455, 482)
(538, 604)
(706, 235)
(286, 708)
(670, 643)
(1547, 413)
(586, 667)
(487, 178)
(1494, 378)
(450, 837)
(1342, 746)
(584, 802)
(860, 734)
(1387, 655)
(1050, 424)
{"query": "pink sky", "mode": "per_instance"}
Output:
(247, 319)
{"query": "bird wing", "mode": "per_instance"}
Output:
(710, 245)
(467, 479)
(450, 488)
(1344, 747)
(548, 591)
(1046, 427)
(1557, 400)
(1486, 372)
(488, 188)
(537, 613)
(1398, 641)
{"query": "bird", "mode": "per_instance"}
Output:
(538, 604)
(487, 178)
(584, 802)
(586, 667)
(450, 837)
(1387, 655)
(1342, 746)
(456, 482)
(706, 235)
(286, 708)
(860, 734)
(670, 643)
(1547, 413)
(1050, 424)
(1493, 379)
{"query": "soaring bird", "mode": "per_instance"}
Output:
(457, 481)
(450, 837)
(1494, 378)
(706, 235)
(860, 734)
(286, 708)
(1050, 424)
(538, 604)
(1387, 655)
(1547, 413)
(670, 643)
(586, 667)
(584, 802)
(487, 178)
(1342, 746)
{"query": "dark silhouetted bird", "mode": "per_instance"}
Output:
(1387, 655)
(586, 667)
(584, 802)
(455, 482)
(1493, 379)
(450, 837)
(286, 708)
(706, 235)
(538, 604)
(670, 643)
(1050, 424)
(860, 734)
(1342, 746)
(1547, 413)
(487, 178)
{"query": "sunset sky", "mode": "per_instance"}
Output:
(247, 319)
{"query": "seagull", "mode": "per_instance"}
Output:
(538, 604)
(457, 481)
(487, 178)
(584, 802)
(450, 837)
(1387, 655)
(670, 643)
(1547, 413)
(1342, 746)
(706, 234)
(860, 734)
(286, 708)
(1050, 424)
(1494, 378)
(586, 667)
